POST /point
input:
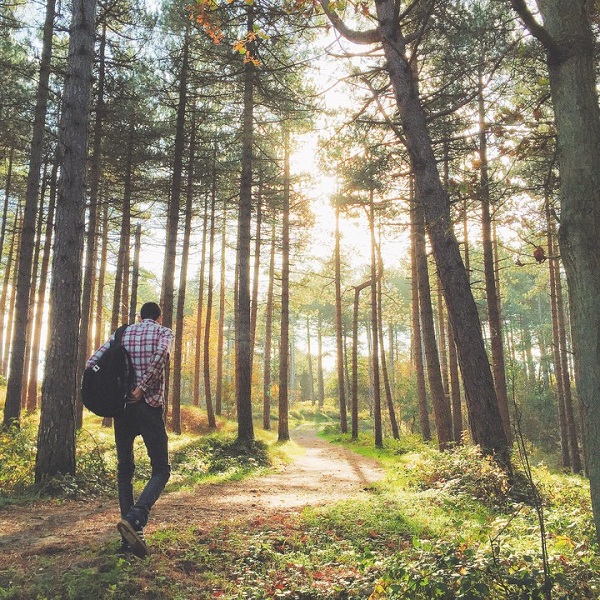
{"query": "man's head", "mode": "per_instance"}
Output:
(150, 310)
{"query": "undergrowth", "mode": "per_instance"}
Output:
(448, 526)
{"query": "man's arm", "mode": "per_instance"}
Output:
(92, 360)
(157, 363)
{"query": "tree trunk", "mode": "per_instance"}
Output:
(320, 376)
(375, 330)
(567, 423)
(14, 389)
(220, 335)
(268, 335)
(570, 47)
(180, 313)
(354, 405)
(99, 334)
(283, 431)
(311, 386)
(417, 339)
(56, 437)
(441, 407)
(7, 192)
(338, 326)
(256, 274)
(212, 423)
(6, 309)
(484, 415)
(34, 305)
(198, 363)
(491, 290)
(135, 273)
(32, 391)
(243, 354)
(457, 424)
(384, 370)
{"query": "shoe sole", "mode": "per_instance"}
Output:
(136, 544)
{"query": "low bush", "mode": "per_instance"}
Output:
(466, 470)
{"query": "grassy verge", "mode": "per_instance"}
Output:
(439, 526)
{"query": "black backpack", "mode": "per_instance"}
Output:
(106, 386)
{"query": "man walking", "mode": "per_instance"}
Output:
(148, 344)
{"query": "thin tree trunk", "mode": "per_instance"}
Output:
(4, 298)
(34, 298)
(320, 375)
(180, 313)
(492, 295)
(32, 390)
(220, 335)
(375, 330)
(256, 274)
(354, 406)
(268, 335)
(99, 334)
(283, 429)
(135, 273)
(384, 370)
(7, 192)
(198, 363)
(556, 348)
(338, 326)
(417, 339)
(311, 386)
(563, 372)
(243, 354)
(457, 420)
(212, 423)
(14, 389)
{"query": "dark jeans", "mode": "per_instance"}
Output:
(147, 421)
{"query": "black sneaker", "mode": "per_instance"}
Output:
(134, 536)
(124, 548)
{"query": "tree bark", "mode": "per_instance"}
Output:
(284, 344)
(570, 45)
(491, 290)
(338, 326)
(268, 335)
(375, 329)
(56, 437)
(243, 354)
(14, 389)
(210, 411)
(417, 339)
(354, 391)
(181, 292)
(198, 363)
(32, 390)
(484, 415)
(220, 334)
(441, 407)
(384, 369)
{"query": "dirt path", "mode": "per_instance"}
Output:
(324, 474)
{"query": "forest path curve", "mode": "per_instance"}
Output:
(325, 473)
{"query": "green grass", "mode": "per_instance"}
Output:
(438, 526)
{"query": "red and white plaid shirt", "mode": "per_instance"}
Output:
(148, 344)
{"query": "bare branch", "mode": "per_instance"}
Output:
(536, 30)
(372, 36)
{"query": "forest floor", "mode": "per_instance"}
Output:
(322, 474)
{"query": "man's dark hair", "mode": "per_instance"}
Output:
(150, 310)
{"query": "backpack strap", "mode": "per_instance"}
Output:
(119, 335)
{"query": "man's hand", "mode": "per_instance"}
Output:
(138, 393)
